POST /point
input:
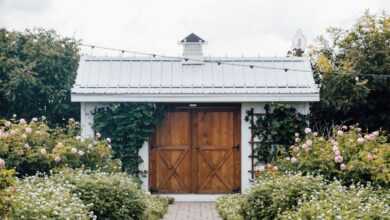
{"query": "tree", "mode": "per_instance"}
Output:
(37, 71)
(354, 67)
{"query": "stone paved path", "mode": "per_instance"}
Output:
(192, 211)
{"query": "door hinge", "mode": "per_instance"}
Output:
(237, 146)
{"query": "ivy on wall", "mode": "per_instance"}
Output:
(274, 130)
(128, 125)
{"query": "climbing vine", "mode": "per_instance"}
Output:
(128, 125)
(274, 130)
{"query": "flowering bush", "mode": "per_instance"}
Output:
(230, 207)
(339, 202)
(42, 198)
(113, 195)
(348, 154)
(156, 207)
(273, 194)
(32, 147)
(6, 180)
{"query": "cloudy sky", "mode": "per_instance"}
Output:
(231, 27)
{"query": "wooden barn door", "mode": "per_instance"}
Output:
(196, 150)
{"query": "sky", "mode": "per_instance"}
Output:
(230, 27)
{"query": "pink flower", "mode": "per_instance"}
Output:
(338, 159)
(369, 137)
(22, 121)
(370, 157)
(28, 130)
(343, 166)
(335, 148)
(2, 164)
(304, 146)
(337, 152)
(375, 133)
(307, 130)
(360, 140)
(294, 160)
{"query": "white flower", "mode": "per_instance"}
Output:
(98, 135)
(375, 133)
(315, 134)
(338, 159)
(360, 140)
(28, 130)
(337, 152)
(340, 133)
(34, 119)
(369, 137)
(57, 159)
(2, 164)
(78, 137)
(71, 119)
(7, 124)
(295, 149)
(307, 130)
(14, 115)
(22, 121)
(43, 151)
(288, 158)
(309, 142)
(296, 134)
(109, 146)
(108, 140)
(294, 160)
(304, 146)
(27, 146)
(12, 132)
(275, 168)
(43, 117)
(343, 166)
(81, 153)
(73, 150)
(297, 139)
(90, 146)
(359, 129)
(344, 127)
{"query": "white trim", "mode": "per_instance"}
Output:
(193, 197)
(144, 166)
(283, 97)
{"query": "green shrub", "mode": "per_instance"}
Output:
(112, 196)
(274, 194)
(338, 202)
(32, 147)
(156, 207)
(230, 207)
(348, 155)
(7, 179)
(41, 198)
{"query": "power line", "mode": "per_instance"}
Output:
(187, 59)
(218, 62)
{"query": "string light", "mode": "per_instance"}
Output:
(218, 62)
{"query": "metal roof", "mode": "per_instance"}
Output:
(192, 38)
(116, 79)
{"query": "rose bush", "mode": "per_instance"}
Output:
(348, 154)
(32, 147)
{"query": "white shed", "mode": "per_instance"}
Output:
(202, 147)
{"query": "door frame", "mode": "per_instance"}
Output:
(201, 107)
